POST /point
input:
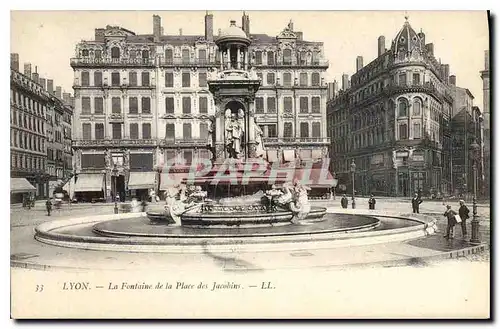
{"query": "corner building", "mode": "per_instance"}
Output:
(143, 100)
(393, 121)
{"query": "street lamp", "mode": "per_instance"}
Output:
(115, 175)
(335, 186)
(353, 170)
(474, 239)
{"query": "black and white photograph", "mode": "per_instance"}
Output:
(250, 164)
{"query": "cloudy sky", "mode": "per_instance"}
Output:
(47, 39)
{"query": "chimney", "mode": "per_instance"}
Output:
(99, 34)
(430, 48)
(209, 27)
(300, 35)
(486, 60)
(345, 82)
(59, 92)
(27, 70)
(245, 23)
(14, 61)
(156, 28)
(50, 86)
(43, 83)
(421, 35)
(35, 77)
(359, 63)
(335, 88)
(162, 31)
(330, 91)
(67, 98)
(446, 73)
(180, 31)
(72, 101)
(453, 80)
(381, 45)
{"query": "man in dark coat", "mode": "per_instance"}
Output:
(371, 202)
(450, 215)
(48, 205)
(415, 203)
(463, 211)
(344, 201)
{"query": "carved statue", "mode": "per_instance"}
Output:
(301, 206)
(237, 135)
(181, 199)
(211, 131)
(260, 149)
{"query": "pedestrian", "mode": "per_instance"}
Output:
(143, 204)
(48, 205)
(419, 193)
(415, 203)
(344, 201)
(371, 202)
(450, 215)
(463, 211)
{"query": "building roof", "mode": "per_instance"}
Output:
(406, 39)
(232, 31)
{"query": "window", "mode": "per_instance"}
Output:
(133, 105)
(270, 58)
(403, 108)
(97, 54)
(202, 78)
(271, 104)
(417, 132)
(402, 79)
(169, 55)
(186, 105)
(188, 156)
(203, 105)
(132, 79)
(304, 105)
(85, 53)
(86, 131)
(185, 56)
(416, 79)
(316, 129)
(115, 79)
(316, 104)
(416, 107)
(169, 105)
(115, 52)
(271, 131)
(403, 131)
(202, 56)
(117, 130)
(304, 129)
(303, 79)
(186, 79)
(315, 79)
(315, 57)
(146, 131)
(97, 78)
(98, 105)
(287, 104)
(287, 130)
(85, 79)
(99, 131)
(145, 79)
(287, 56)
(170, 131)
(146, 105)
(287, 79)
(259, 75)
(116, 105)
(203, 130)
(258, 57)
(270, 79)
(186, 130)
(259, 105)
(145, 54)
(85, 105)
(169, 80)
(132, 54)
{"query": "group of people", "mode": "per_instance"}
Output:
(371, 202)
(454, 219)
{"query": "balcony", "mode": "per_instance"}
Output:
(187, 142)
(322, 63)
(296, 140)
(119, 62)
(114, 143)
(188, 62)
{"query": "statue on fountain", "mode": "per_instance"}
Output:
(259, 144)
(290, 198)
(183, 198)
(234, 126)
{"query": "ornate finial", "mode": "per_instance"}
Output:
(406, 16)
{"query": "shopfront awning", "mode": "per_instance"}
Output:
(89, 183)
(141, 180)
(21, 185)
(70, 187)
(289, 155)
(272, 156)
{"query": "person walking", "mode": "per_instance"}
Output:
(450, 215)
(415, 203)
(48, 206)
(371, 202)
(463, 212)
(344, 201)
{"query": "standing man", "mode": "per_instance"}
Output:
(48, 206)
(450, 215)
(415, 203)
(344, 201)
(463, 212)
(371, 202)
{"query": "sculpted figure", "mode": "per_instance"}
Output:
(301, 206)
(260, 149)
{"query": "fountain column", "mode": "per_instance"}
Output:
(251, 129)
(238, 58)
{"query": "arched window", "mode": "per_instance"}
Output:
(115, 52)
(417, 106)
(85, 52)
(145, 54)
(287, 56)
(315, 79)
(169, 55)
(403, 108)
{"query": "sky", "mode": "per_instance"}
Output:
(47, 39)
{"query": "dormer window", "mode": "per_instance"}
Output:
(115, 52)
(145, 54)
(402, 39)
(85, 52)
